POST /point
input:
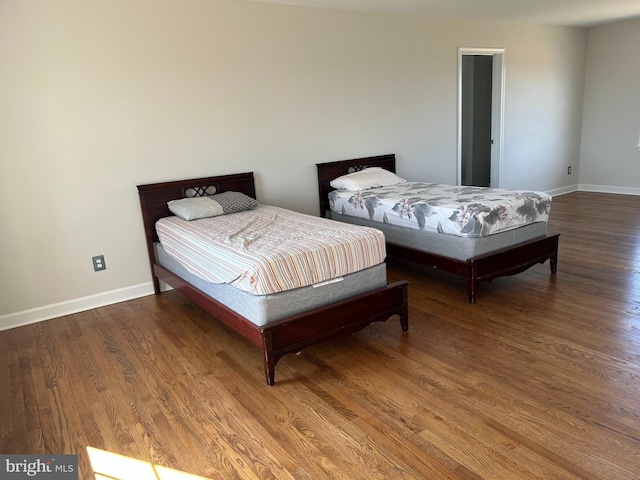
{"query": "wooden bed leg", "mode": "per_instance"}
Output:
(553, 260)
(269, 359)
(269, 368)
(404, 319)
(156, 285)
(472, 283)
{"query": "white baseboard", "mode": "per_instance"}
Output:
(594, 188)
(610, 189)
(563, 190)
(69, 307)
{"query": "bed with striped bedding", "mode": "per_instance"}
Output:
(291, 249)
(269, 249)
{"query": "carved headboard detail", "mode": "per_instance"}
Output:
(154, 198)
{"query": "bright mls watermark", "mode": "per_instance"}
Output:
(50, 467)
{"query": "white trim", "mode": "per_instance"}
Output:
(610, 189)
(69, 307)
(497, 110)
(595, 189)
(564, 190)
(499, 88)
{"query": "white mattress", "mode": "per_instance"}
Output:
(451, 246)
(264, 309)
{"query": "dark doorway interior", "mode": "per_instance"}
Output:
(476, 119)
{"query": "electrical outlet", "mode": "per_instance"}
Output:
(569, 170)
(98, 263)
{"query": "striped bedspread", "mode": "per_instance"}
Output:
(270, 249)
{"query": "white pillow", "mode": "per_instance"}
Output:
(211, 206)
(372, 177)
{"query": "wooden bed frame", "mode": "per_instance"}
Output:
(486, 267)
(323, 324)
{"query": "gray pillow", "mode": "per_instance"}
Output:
(211, 206)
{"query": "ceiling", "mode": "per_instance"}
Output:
(574, 13)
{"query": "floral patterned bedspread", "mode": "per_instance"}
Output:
(457, 210)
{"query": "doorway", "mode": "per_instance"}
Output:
(480, 113)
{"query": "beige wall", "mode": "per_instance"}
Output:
(99, 96)
(610, 160)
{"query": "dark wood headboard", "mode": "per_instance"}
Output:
(154, 198)
(331, 170)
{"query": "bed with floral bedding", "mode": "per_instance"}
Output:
(480, 233)
(465, 211)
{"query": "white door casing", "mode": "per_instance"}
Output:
(497, 111)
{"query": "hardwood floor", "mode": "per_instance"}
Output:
(539, 379)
